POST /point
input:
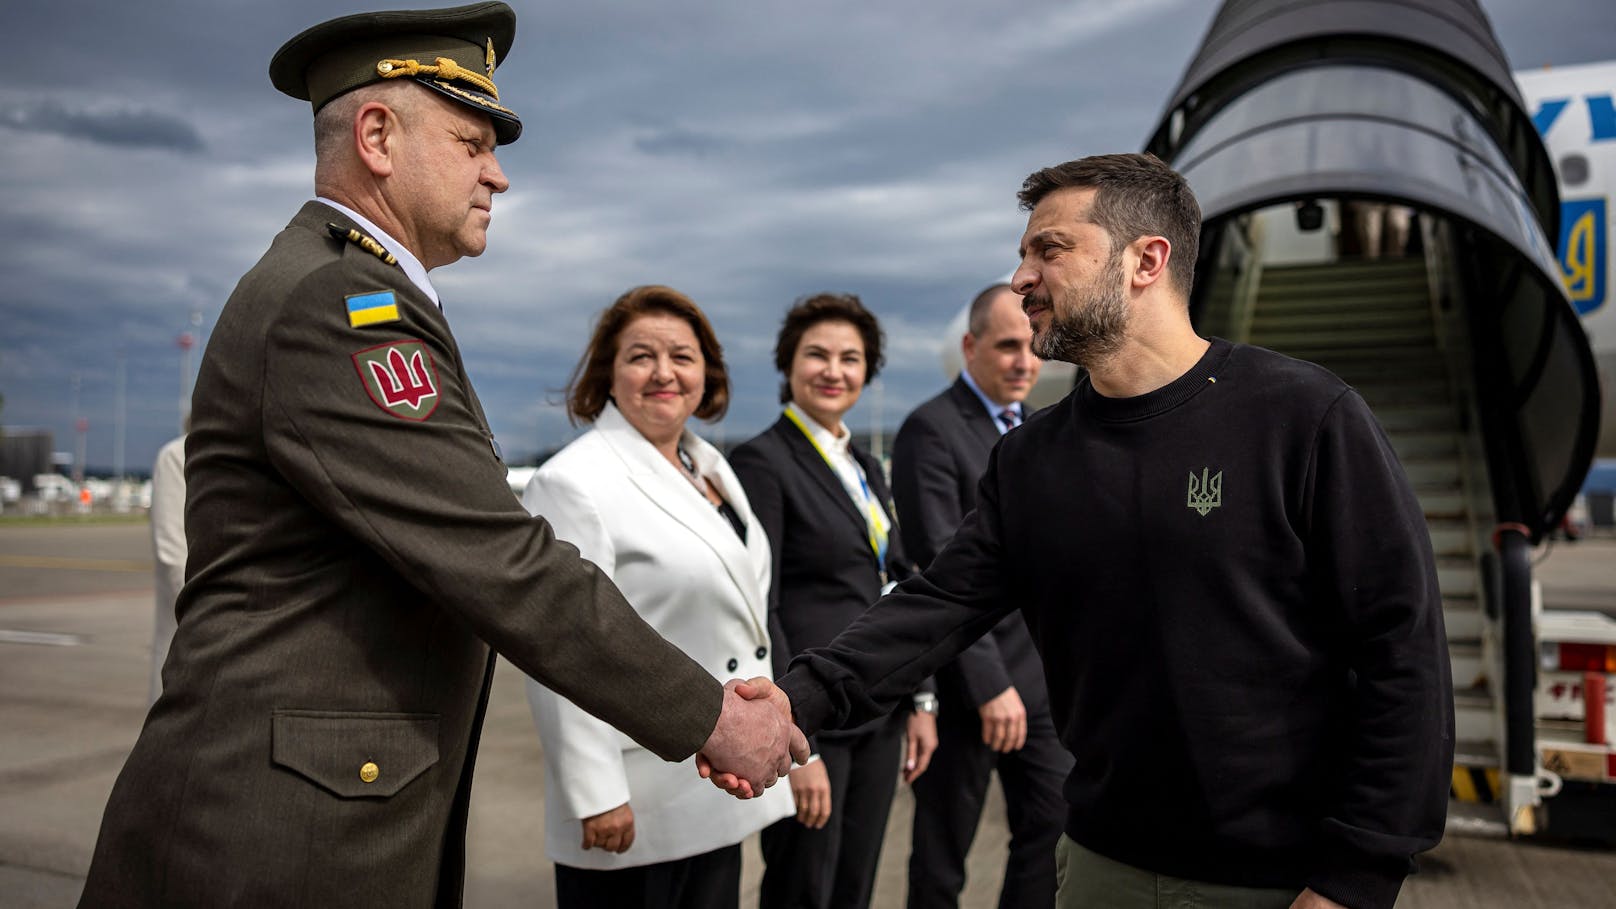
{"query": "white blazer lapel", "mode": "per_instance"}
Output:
(662, 483)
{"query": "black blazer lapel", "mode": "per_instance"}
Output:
(813, 465)
(976, 417)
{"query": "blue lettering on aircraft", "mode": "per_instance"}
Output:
(1601, 116)
(1584, 239)
(1547, 113)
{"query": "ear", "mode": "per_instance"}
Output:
(375, 132)
(1151, 264)
(967, 344)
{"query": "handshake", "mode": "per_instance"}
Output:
(754, 742)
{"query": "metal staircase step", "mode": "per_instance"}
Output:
(1474, 716)
(1476, 753)
(1451, 538)
(1461, 617)
(1295, 319)
(1424, 445)
(1455, 575)
(1432, 471)
(1464, 658)
(1441, 502)
(1316, 345)
(1477, 819)
(1423, 416)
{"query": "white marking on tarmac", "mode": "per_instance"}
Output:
(46, 638)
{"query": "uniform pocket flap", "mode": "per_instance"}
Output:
(355, 755)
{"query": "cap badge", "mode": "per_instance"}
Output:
(489, 60)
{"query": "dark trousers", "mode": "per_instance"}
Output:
(711, 880)
(834, 867)
(948, 806)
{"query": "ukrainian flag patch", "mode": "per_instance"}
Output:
(372, 308)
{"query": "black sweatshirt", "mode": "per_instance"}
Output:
(1231, 585)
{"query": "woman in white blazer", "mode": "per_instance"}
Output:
(660, 511)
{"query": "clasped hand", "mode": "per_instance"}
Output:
(754, 741)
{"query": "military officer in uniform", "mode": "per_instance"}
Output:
(356, 557)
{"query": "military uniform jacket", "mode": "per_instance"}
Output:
(354, 551)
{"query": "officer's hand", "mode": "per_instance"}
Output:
(611, 830)
(1004, 721)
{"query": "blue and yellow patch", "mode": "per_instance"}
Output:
(1584, 249)
(372, 308)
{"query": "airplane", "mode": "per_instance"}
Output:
(1573, 110)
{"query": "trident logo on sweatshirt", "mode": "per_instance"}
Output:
(1206, 493)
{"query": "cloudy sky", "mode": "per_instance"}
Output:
(744, 152)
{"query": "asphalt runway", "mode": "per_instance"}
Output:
(75, 631)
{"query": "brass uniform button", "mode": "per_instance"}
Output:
(384, 67)
(369, 772)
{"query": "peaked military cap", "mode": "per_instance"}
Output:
(451, 51)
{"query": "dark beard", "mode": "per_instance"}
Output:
(1092, 332)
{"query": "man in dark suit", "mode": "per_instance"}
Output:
(994, 705)
(355, 552)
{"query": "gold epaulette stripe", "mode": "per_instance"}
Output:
(444, 68)
(362, 241)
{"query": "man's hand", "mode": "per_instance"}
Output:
(611, 830)
(1004, 722)
(920, 741)
(754, 741)
(810, 787)
(1310, 900)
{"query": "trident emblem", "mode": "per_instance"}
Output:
(1206, 493)
(401, 384)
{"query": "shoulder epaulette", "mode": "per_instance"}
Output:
(359, 239)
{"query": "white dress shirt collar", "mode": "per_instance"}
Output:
(413, 269)
(993, 408)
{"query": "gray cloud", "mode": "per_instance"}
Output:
(130, 128)
(744, 153)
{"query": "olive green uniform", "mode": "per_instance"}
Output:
(354, 552)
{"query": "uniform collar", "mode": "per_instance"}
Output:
(413, 269)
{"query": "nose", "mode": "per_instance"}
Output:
(494, 175)
(1024, 280)
(661, 369)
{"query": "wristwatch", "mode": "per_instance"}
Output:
(926, 702)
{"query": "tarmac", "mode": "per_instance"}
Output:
(75, 632)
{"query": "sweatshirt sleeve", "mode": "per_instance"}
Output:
(1367, 535)
(908, 634)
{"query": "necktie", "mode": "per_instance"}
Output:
(1009, 418)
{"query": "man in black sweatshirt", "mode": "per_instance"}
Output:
(1227, 574)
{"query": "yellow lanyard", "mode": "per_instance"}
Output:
(872, 521)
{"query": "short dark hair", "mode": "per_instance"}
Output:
(1135, 195)
(826, 307)
(590, 386)
(976, 320)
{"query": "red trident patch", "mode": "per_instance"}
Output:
(400, 378)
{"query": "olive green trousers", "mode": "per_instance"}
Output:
(1090, 881)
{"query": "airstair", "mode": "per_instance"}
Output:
(1377, 325)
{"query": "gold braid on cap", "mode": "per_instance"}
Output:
(445, 69)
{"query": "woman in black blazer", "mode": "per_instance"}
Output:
(828, 513)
